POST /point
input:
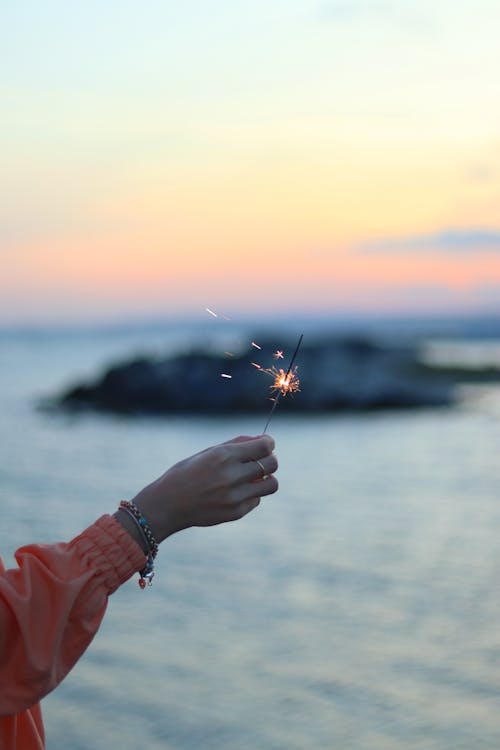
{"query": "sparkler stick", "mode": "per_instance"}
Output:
(285, 382)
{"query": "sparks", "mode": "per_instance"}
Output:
(225, 375)
(216, 315)
(278, 354)
(284, 382)
(256, 345)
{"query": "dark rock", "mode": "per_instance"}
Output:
(335, 374)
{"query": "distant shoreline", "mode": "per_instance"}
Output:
(472, 325)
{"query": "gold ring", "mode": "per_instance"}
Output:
(261, 466)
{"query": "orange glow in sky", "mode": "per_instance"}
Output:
(304, 157)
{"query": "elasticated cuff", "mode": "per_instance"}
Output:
(111, 551)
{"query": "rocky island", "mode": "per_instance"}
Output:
(336, 374)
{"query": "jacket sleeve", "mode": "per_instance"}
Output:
(52, 605)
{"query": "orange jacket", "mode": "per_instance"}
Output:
(50, 609)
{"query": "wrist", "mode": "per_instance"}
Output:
(131, 527)
(144, 535)
(158, 512)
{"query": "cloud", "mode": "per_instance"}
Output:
(450, 241)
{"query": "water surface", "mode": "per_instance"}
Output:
(357, 608)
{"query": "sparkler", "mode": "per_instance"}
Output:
(284, 382)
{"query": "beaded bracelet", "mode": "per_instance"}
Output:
(147, 573)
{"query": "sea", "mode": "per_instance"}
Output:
(356, 609)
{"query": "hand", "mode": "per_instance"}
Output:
(219, 484)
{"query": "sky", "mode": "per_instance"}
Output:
(258, 158)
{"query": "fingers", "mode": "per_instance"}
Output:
(255, 489)
(258, 468)
(255, 456)
(245, 499)
(250, 465)
(245, 507)
(247, 449)
(240, 439)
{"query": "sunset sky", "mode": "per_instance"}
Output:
(273, 155)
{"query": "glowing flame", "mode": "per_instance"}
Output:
(284, 382)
